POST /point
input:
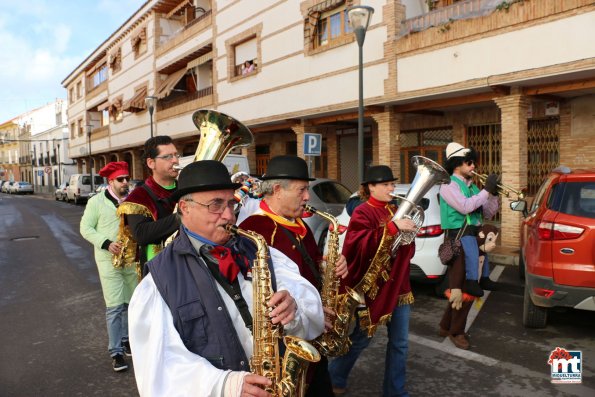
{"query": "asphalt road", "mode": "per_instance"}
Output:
(54, 340)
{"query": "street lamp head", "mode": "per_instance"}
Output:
(359, 17)
(151, 102)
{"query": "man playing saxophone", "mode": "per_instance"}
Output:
(191, 316)
(99, 225)
(390, 303)
(285, 193)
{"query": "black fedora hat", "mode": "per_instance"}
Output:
(379, 174)
(287, 167)
(202, 176)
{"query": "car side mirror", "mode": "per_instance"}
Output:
(520, 205)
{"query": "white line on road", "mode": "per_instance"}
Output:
(451, 349)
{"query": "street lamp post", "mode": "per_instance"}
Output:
(151, 102)
(359, 20)
(89, 129)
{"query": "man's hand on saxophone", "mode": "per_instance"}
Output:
(284, 308)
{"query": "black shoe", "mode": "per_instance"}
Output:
(119, 363)
(126, 347)
(486, 283)
(472, 288)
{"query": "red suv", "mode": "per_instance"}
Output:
(557, 255)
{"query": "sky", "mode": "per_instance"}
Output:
(43, 41)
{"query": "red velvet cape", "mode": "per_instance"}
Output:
(276, 238)
(362, 240)
(140, 196)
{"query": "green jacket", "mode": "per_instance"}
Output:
(98, 224)
(451, 218)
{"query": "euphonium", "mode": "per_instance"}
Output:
(429, 173)
(219, 134)
(287, 375)
(335, 342)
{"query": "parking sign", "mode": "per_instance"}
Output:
(312, 144)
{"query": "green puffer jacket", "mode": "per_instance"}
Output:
(98, 224)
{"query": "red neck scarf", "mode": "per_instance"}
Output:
(227, 265)
(377, 203)
(296, 226)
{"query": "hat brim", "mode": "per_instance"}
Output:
(297, 178)
(379, 181)
(203, 188)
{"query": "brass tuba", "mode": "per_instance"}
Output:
(429, 173)
(336, 342)
(219, 134)
(287, 374)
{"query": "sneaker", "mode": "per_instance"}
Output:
(472, 288)
(339, 391)
(444, 333)
(487, 283)
(119, 363)
(126, 347)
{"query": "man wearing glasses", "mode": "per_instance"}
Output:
(99, 225)
(190, 317)
(148, 211)
(463, 206)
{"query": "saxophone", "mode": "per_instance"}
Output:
(335, 342)
(287, 375)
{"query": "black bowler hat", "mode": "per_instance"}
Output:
(202, 176)
(379, 174)
(287, 167)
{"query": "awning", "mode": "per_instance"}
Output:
(200, 60)
(137, 102)
(178, 8)
(168, 84)
(101, 107)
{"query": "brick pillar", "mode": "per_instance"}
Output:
(299, 131)
(513, 110)
(389, 145)
(137, 164)
(332, 154)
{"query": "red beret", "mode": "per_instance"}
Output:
(114, 169)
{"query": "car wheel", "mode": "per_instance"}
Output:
(533, 316)
(521, 266)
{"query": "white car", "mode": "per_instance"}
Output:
(425, 264)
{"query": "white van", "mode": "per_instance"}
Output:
(233, 162)
(79, 187)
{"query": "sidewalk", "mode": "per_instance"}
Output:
(505, 256)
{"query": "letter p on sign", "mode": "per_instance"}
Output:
(312, 144)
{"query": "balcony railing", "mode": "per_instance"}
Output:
(459, 10)
(177, 99)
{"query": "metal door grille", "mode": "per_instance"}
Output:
(487, 141)
(543, 150)
(428, 143)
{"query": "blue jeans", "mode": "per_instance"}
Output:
(396, 354)
(117, 328)
(471, 250)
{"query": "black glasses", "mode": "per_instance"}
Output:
(123, 178)
(218, 206)
(470, 162)
(169, 157)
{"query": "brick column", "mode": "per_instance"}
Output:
(137, 164)
(389, 145)
(332, 154)
(299, 131)
(514, 161)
